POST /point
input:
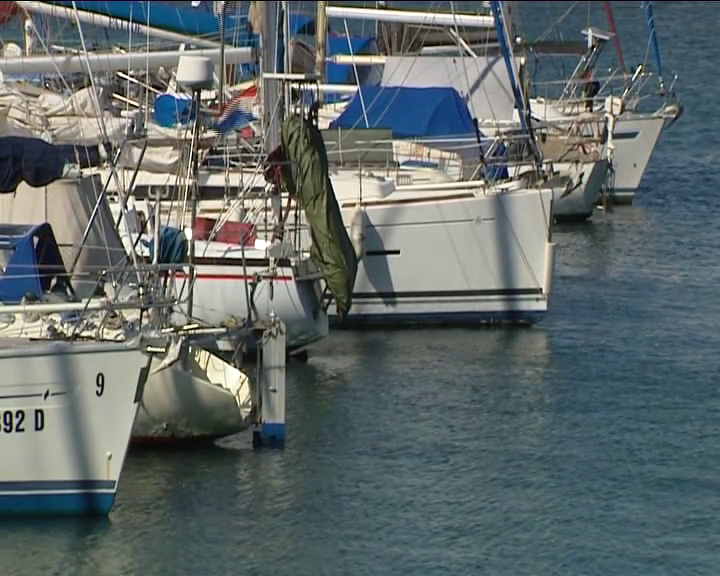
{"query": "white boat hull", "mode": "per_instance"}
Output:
(579, 204)
(199, 397)
(220, 297)
(635, 138)
(190, 394)
(464, 260)
(67, 415)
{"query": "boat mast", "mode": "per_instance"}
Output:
(616, 39)
(321, 29)
(223, 23)
(521, 104)
(270, 85)
(653, 38)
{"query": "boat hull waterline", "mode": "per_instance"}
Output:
(67, 414)
(467, 260)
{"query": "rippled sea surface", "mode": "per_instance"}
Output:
(588, 444)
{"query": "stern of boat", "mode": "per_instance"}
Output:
(575, 199)
(192, 394)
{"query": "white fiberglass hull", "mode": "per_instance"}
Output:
(578, 204)
(220, 296)
(635, 138)
(201, 397)
(461, 259)
(67, 415)
(189, 394)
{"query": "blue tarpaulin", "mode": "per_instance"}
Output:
(173, 109)
(344, 73)
(173, 246)
(409, 112)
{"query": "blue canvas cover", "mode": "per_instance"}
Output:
(409, 112)
(32, 260)
(345, 73)
(173, 109)
(188, 21)
(173, 246)
(38, 163)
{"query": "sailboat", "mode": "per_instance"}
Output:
(232, 255)
(67, 406)
(190, 393)
(482, 80)
(636, 133)
(443, 252)
(243, 243)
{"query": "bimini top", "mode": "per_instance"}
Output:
(29, 261)
(423, 113)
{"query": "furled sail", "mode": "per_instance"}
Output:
(305, 175)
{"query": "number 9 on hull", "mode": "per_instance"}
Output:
(66, 414)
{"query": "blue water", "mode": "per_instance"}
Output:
(586, 445)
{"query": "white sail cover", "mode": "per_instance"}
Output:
(67, 205)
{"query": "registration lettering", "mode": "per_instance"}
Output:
(18, 421)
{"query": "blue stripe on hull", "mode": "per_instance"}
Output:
(444, 319)
(57, 497)
(59, 503)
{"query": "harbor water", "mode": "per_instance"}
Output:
(587, 444)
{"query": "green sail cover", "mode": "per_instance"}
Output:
(305, 175)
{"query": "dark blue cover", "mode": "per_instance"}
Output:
(409, 112)
(173, 246)
(38, 163)
(28, 159)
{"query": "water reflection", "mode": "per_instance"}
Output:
(39, 546)
(428, 378)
